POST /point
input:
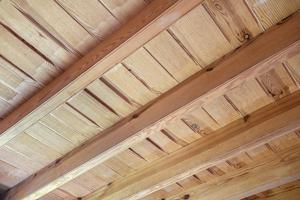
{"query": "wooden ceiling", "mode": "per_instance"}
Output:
(138, 99)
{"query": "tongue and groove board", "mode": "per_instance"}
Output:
(35, 47)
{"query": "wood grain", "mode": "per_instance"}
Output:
(155, 18)
(250, 61)
(231, 141)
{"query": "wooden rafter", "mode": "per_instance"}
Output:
(255, 57)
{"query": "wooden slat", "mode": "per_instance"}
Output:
(262, 126)
(154, 19)
(253, 58)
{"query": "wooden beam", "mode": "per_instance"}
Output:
(156, 17)
(255, 57)
(262, 126)
(273, 171)
(293, 194)
(289, 192)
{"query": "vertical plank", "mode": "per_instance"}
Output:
(10, 175)
(92, 15)
(145, 67)
(93, 109)
(124, 9)
(109, 96)
(172, 56)
(61, 26)
(201, 36)
(125, 82)
(235, 20)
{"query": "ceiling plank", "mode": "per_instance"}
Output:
(156, 17)
(273, 171)
(251, 59)
(262, 126)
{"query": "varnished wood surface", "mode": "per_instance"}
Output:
(36, 47)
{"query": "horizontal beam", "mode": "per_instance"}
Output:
(252, 59)
(268, 173)
(262, 126)
(156, 17)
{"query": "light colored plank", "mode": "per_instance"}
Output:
(62, 129)
(164, 142)
(123, 10)
(221, 111)
(5, 108)
(19, 160)
(33, 149)
(129, 85)
(76, 121)
(277, 82)
(7, 93)
(269, 12)
(118, 165)
(189, 182)
(75, 189)
(105, 173)
(58, 195)
(146, 68)
(282, 143)
(260, 152)
(201, 36)
(172, 56)
(131, 159)
(90, 181)
(293, 66)
(148, 151)
(248, 97)
(16, 79)
(10, 175)
(182, 131)
(234, 19)
(50, 138)
(92, 15)
(61, 26)
(35, 35)
(112, 99)
(93, 109)
(205, 176)
(18, 53)
(200, 121)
